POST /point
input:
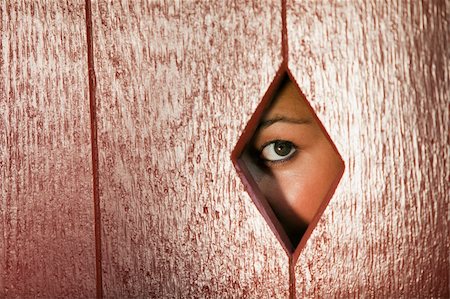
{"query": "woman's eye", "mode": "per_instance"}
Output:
(278, 151)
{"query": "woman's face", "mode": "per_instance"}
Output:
(294, 164)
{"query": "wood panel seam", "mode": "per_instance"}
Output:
(284, 38)
(94, 146)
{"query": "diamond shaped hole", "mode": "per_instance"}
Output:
(288, 163)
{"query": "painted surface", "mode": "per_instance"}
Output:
(46, 214)
(176, 85)
(378, 77)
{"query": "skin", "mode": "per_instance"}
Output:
(296, 185)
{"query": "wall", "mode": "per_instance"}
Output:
(377, 75)
(175, 84)
(46, 215)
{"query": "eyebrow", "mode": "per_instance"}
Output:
(299, 121)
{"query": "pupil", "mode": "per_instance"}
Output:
(282, 148)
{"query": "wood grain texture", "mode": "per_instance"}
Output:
(46, 210)
(176, 85)
(377, 74)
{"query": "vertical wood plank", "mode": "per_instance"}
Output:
(176, 85)
(377, 74)
(46, 210)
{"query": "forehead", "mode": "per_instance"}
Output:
(288, 102)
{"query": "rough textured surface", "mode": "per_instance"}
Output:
(46, 212)
(176, 86)
(378, 77)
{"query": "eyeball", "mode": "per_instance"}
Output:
(278, 151)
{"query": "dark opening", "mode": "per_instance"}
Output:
(287, 161)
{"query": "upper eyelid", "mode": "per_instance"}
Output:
(263, 133)
(273, 141)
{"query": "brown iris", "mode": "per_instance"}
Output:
(282, 148)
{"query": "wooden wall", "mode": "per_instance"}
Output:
(46, 214)
(377, 73)
(175, 86)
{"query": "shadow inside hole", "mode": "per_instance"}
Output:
(292, 161)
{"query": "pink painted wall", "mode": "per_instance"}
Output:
(175, 86)
(46, 215)
(377, 75)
